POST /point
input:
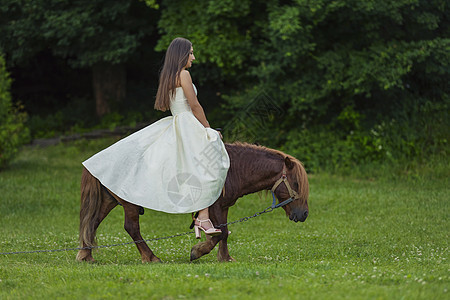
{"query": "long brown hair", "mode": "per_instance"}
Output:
(177, 56)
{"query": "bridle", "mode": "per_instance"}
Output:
(293, 194)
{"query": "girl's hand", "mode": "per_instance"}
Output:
(220, 133)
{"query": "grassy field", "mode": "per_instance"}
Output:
(364, 239)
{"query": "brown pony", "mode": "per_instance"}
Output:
(253, 168)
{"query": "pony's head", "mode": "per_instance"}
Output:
(295, 186)
(260, 168)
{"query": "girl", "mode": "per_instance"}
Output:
(177, 164)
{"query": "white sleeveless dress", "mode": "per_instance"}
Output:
(174, 165)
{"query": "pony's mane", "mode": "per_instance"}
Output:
(260, 148)
(298, 169)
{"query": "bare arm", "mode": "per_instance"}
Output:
(188, 89)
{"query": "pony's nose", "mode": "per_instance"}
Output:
(305, 214)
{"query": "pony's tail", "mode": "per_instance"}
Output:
(91, 201)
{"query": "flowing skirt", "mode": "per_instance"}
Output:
(174, 165)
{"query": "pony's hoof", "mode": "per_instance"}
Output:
(82, 256)
(229, 259)
(154, 260)
(226, 259)
(194, 254)
(200, 249)
(87, 259)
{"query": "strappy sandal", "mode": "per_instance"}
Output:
(210, 231)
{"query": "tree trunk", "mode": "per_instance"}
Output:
(109, 83)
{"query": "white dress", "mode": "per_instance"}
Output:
(174, 165)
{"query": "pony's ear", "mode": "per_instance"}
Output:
(288, 162)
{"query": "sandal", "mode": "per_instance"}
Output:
(209, 231)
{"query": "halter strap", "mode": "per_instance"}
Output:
(293, 194)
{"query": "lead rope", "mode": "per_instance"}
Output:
(268, 209)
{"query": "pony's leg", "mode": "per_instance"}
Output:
(132, 227)
(223, 255)
(106, 206)
(205, 247)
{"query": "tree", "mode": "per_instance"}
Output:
(13, 133)
(101, 35)
(340, 65)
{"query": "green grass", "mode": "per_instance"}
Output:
(364, 239)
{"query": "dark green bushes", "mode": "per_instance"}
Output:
(416, 133)
(338, 84)
(13, 133)
(352, 82)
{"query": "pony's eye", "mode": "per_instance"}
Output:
(295, 185)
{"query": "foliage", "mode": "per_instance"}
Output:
(216, 28)
(363, 239)
(13, 132)
(45, 42)
(417, 135)
(85, 32)
(320, 61)
(359, 74)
